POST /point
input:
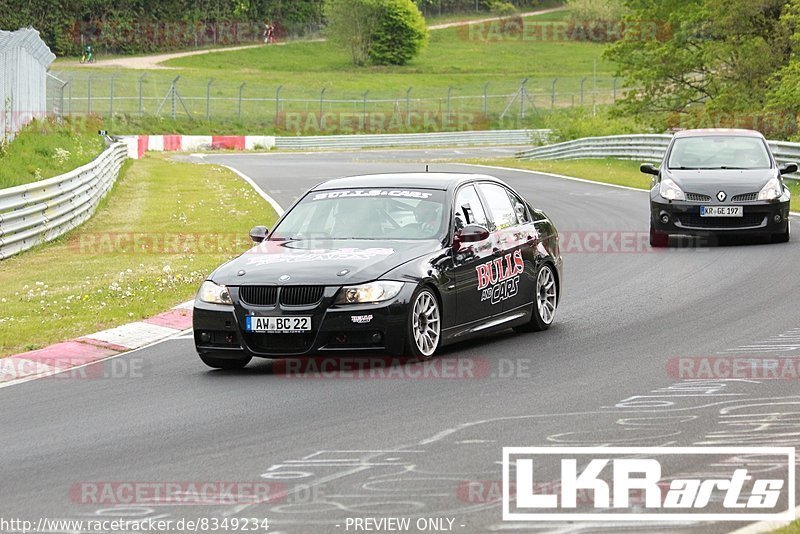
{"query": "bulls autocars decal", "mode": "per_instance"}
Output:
(498, 279)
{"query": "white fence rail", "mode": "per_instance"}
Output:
(489, 137)
(645, 147)
(35, 213)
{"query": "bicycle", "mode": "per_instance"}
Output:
(88, 56)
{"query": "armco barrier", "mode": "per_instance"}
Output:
(138, 145)
(35, 213)
(648, 147)
(645, 147)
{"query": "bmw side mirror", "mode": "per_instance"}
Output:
(259, 233)
(471, 233)
(789, 168)
(648, 168)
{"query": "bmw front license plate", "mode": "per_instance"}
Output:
(721, 211)
(283, 325)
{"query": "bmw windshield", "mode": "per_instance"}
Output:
(719, 152)
(365, 214)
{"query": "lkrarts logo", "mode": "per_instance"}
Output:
(498, 279)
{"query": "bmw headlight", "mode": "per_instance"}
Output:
(214, 293)
(772, 190)
(372, 292)
(670, 190)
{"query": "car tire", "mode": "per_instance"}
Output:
(424, 324)
(658, 239)
(545, 301)
(782, 237)
(225, 363)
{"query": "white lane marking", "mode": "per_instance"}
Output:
(272, 202)
(553, 175)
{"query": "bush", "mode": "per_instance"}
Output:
(576, 123)
(380, 32)
(595, 20)
(401, 33)
(501, 8)
(351, 25)
(596, 10)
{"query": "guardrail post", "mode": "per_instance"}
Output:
(486, 99)
(321, 96)
(553, 94)
(365, 106)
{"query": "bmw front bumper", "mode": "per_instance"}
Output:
(335, 329)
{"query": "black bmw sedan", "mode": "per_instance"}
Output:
(714, 182)
(399, 264)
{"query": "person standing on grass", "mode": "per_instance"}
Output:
(270, 33)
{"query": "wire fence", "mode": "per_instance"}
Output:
(158, 95)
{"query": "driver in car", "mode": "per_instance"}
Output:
(429, 218)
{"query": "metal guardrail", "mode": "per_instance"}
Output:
(35, 213)
(651, 147)
(645, 147)
(488, 137)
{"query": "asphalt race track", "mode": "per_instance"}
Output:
(404, 445)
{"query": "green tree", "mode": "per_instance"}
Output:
(351, 25)
(400, 35)
(379, 32)
(679, 53)
(783, 94)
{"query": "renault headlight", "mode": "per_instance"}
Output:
(670, 190)
(214, 293)
(772, 190)
(372, 292)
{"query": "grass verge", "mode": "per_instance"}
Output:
(44, 149)
(607, 171)
(162, 230)
(314, 76)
